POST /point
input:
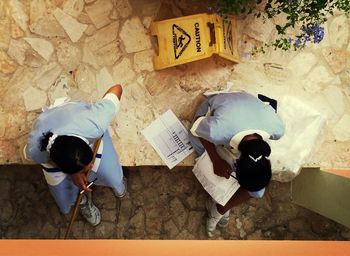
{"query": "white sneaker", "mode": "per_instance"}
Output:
(123, 194)
(90, 212)
(213, 217)
(223, 223)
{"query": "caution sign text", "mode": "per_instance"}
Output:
(198, 36)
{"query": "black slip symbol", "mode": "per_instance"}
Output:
(180, 40)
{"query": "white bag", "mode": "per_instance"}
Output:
(302, 136)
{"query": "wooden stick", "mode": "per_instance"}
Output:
(80, 196)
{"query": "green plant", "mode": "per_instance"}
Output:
(307, 15)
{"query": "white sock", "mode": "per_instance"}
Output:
(214, 211)
(83, 200)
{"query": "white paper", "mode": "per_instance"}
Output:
(169, 138)
(219, 188)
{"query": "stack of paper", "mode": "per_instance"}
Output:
(169, 138)
(219, 188)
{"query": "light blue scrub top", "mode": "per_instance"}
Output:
(231, 113)
(228, 114)
(73, 118)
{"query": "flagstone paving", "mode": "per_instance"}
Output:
(160, 204)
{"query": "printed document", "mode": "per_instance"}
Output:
(169, 138)
(219, 188)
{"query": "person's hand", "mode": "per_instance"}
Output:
(222, 168)
(80, 179)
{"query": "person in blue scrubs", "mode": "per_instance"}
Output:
(62, 141)
(243, 124)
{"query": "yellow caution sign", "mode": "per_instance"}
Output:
(226, 34)
(194, 37)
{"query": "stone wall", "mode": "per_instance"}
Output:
(77, 48)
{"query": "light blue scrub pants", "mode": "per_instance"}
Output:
(109, 174)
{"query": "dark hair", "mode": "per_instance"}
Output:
(253, 175)
(70, 153)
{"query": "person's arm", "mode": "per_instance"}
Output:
(80, 179)
(205, 129)
(221, 167)
(103, 111)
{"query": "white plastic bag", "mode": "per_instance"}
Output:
(303, 135)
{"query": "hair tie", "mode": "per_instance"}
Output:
(255, 159)
(51, 142)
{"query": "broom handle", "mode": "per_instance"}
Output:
(80, 196)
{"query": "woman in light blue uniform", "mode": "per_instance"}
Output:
(243, 124)
(62, 140)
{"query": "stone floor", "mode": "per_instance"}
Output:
(78, 48)
(161, 204)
